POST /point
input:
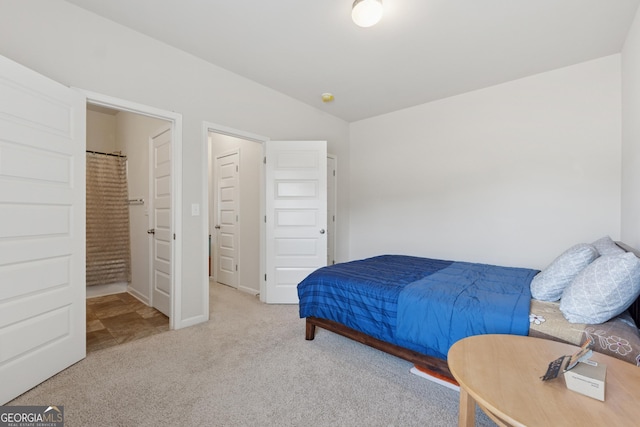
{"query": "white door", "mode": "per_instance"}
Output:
(331, 208)
(160, 221)
(42, 228)
(296, 215)
(226, 257)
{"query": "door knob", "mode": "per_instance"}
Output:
(322, 231)
(151, 231)
(217, 227)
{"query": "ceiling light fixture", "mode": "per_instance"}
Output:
(327, 97)
(366, 13)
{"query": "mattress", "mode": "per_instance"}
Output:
(618, 337)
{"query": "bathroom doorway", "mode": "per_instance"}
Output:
(121, 309)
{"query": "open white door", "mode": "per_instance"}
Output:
(296, 215)
(160, 221)
(42, 228)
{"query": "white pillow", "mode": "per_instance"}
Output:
(604, 289)
(549, 284)
(605, 246)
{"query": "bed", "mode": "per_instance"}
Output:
(416, 308)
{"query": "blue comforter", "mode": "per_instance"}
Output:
(462, 300)
(419, 303)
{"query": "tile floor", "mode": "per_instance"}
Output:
(119, 318)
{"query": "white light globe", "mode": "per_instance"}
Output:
(366, 13)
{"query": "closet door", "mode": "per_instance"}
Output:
(42, 228)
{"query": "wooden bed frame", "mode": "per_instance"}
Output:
(427, 363)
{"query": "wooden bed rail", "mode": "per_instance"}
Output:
(429, 363)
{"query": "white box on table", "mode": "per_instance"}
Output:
(587, 378)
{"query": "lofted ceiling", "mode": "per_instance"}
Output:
(422, 50)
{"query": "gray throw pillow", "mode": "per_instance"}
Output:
(549, 284)
(603, 290)
(606, 246)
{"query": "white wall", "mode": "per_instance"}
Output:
(101, 132)
(511, 175)
(132, 138)
(251, 154)
(80, 49)
(631, 136)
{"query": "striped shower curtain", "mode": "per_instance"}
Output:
(108, 243)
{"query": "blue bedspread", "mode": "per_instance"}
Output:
(404, 300)
(462, 300)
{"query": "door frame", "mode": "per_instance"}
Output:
(332, 224)
(175, 120)
(225, 130)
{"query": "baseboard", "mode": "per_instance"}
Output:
(103, 290)
(248, 290)
(191, 321)
(137, 295)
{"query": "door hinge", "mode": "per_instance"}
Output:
(236, 168)
(264, 160)
(236, 218)
(174, 236)
(265, 277)
(334, 172)
(265, 218)
(236, 267)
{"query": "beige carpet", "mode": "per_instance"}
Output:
(248, 366)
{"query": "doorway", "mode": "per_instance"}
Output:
(251, 227)
(234, 165)
(121, 312)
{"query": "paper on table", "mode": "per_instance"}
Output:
(584, 353)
